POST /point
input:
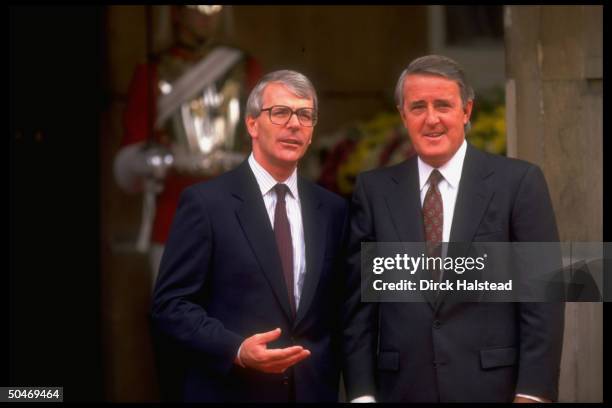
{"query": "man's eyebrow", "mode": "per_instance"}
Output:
(417, 103)
(436, 102)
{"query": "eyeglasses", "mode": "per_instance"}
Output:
(281, 115)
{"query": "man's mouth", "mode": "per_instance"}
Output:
(434, 135)
(291, 142)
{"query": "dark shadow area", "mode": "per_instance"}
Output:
(54, 291)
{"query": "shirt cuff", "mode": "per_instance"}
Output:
(238, 359)
(364, 398)
(531, 397)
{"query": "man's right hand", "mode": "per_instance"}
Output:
(254, 353)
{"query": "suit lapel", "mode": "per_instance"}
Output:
(255, 223)
(404, 204)
(473, 198)
(314, 221)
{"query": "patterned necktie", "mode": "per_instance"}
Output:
(282, 233)
(433, 219)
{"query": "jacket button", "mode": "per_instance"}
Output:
(436, 324)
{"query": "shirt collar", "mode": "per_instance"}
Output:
(451, 170)
(266, 182)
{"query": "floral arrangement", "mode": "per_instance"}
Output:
(489, 122)
(382, 141)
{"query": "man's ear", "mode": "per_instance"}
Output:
(401, 112)
(467, 111)
(252, 126)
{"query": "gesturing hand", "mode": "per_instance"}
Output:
(254, 353)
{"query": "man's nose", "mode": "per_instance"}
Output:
(432, 116)
(293, 121)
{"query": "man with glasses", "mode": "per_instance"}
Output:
(251, 285)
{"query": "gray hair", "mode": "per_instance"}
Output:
(437, 65)
(296, 82)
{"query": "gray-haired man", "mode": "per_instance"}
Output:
(452, 192)
(251, 286)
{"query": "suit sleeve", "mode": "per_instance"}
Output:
(359, 317)
(184, 269)
(541, 324)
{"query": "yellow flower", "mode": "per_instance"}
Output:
(375, 134)
(489, 130)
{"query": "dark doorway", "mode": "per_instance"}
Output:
(56, 62)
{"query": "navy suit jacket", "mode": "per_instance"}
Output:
(450, 351)
(221, 281)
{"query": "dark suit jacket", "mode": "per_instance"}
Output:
(221, 281)
(445, 351)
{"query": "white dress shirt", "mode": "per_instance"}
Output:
(448, 186)
(294, 213)
(266, 184)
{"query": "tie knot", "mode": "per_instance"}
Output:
(434, 178)
(281, 191)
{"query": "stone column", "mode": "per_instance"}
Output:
(554, 99)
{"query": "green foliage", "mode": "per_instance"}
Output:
(489, 122)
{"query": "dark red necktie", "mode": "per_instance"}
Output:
(433, 219)
(282, 233)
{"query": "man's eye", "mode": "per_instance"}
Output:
(280, 112)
